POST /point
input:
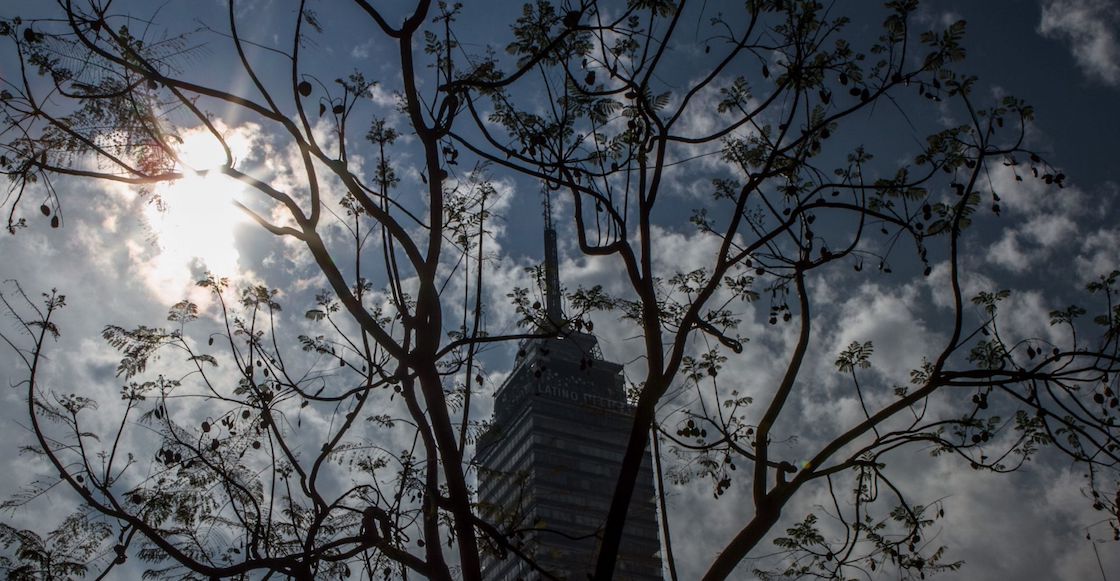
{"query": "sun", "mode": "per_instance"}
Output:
(194, 227)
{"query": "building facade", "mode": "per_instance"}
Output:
(549, 463)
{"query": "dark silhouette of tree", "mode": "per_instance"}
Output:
(241, 485)
(628, 111)
(591, 102)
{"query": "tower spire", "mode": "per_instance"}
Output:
(551, 265)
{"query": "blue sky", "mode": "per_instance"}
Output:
(122, 262)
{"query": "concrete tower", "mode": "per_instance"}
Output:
(550, 462)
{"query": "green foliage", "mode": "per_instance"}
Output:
(988, 354)
(855, 355)
(183, 312)
(803, 535)
(138, 345)
(990, 300)
(1066, 316)
(65, 553)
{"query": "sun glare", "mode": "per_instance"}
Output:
(194, 226)
(200, 151)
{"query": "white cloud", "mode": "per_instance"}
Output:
(972, 282)
(1008, 253)
(891, 319)
(1024, 316)
(383, 97)
(361, 51)
(987, 527)
(1090, 27)
(1050, 230)
(926, 16)
(1044, 220)
(1098, 254)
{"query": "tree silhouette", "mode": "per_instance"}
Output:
(347, 451)
(235, 489)
(780, 82)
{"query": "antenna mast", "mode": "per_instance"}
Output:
(551, 265)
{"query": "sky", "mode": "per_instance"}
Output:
(122, 260)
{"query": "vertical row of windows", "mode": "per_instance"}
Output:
(554, 462)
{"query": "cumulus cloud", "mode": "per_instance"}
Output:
(1008, 253)
(361, 51)
(1061, 230)
(1098, 253)
(1090, 28)
(383, 97)
(1043, 221)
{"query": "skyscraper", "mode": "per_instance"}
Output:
(549, 463)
